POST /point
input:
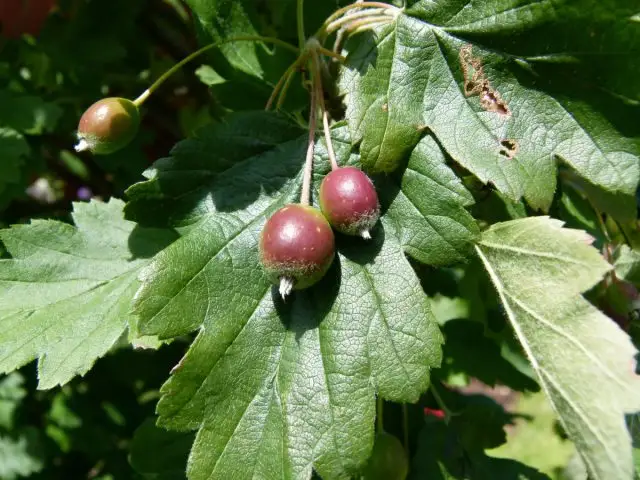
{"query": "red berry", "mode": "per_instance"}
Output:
(349, 201)
(296, 247)
(108, 125)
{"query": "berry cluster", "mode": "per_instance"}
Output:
(297, 245)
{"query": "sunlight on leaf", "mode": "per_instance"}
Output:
(275, 388)
(584, 362)
(486, 110)
(65, 294)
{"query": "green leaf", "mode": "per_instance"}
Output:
(409, 76)
(160, 453)
(65, 295)
(577, 212)
(539, 270)
(13, 148)
(536, 438)
(627, 265)
(588, 40)
(223, 19)
(316, 362)
(28, 114)
(12, 392)
(19, 456)
(455, 449)
(251, 69)
(428, 210)
(209, 76)
(468, 351)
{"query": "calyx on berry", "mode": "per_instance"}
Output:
(349, 201)
(108, 125)
(297, 247)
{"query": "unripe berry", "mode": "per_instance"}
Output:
(296, 247)
(108, 125)
(388, 459)
(349, 201)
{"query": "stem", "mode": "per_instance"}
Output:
(325, 118)
(244, 38)
(405, 428)
(302, 39)
(379, 414)
(337, 44)
(368, 23)
(343, 10)
(285, 89)
(330, 53)
(282, 81)
(305, 195)
(603, 227)
(441, 404)
(336, 24)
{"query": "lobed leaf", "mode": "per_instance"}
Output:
(17, 456)
(13, 149)
(65, 294)
(627, 265)
(428, 208)
(585, 363)
(594, 41)
(277, 388)
(499, 124)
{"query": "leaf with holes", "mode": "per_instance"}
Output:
(585, 363)
(486, 108)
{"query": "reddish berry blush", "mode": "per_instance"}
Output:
(349, 201)
(108, 125)
(297, 247)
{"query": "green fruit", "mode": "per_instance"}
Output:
(388, 459)
(297, 247)
(108, 125)
(349, 201)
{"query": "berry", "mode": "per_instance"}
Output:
(108, 125)
(388, 459)
(296, 247)
(349, 201)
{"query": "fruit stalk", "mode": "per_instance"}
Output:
(358, 26)
(283, 83)
(339, 23)
(323, 109)
(244, 38)
(302, 39)
(305, 195)
(338, 13)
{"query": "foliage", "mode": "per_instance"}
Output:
(502, 143)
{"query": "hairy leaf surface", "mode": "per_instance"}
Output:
(277, 388)
(584, 361)
(486, 108)
(65, 295)
(627, 265)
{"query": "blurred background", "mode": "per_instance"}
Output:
(57, 57)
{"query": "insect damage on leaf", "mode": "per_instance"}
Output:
(477, 83)
(509, 148)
